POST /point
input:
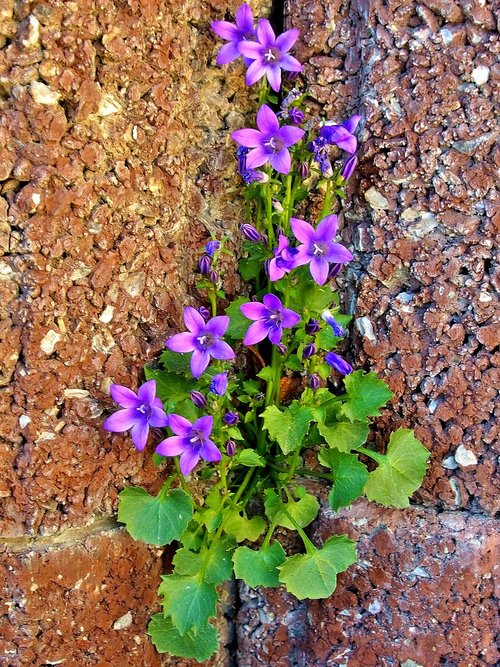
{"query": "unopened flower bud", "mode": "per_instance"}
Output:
(204, 265)
(198, 399)
(211, 247)
(312, 327)
(309, 351)
(231, 418)
(334, 271)
(303, 170)
(219, 383)
(337, 329)
(348, 167)
(291, 76)
(282, 349)
(296, 115)
(264, 239)
(213, 276)
(204, 312)
(313, 382)
(230, 448)
(250, 233)
(277, 206)
(340, 365)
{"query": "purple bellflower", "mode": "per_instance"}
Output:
(219, 383)
(141, 411)
(203, 339)
(283, 260)
(270, 55)
(212, 247)
(342, 135)
(270, 320)
(191, 441)
(348, 167)
(231, 418)
(235, 34)
(270, 143)
(337, 329)
(318, 248)
(340, 365)
(319, 148)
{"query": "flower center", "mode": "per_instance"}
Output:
(271, 54)
(276, 317)
(206, 340)
(196, 437)
(319, 249)
(274, 144)
(145, 409)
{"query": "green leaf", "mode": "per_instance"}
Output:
(167, 639)
(349, 477)
(242, 528)
(314, 575)
(189, 601)
(259, 568)
(250, 267)
(344, 436)
(400, 472)
(288, 427)
(170, 386)
(155, 519)
(293, 363)
(250, 458)
(266, 374)
(310, 295)
(366, 394)
(238, 324)
(303, 511)
(176, 362)
(216, 561)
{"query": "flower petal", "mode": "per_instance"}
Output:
(204, 424)
(193, 320)
(255, 333)
(171, 446)
(209, 452)
(267, 121)
(352, 123)
(199, 361)
(319, 270)
(257, 157)
(274, 77)
(188, 461)
(221, 350)
(252, 50)
(124, 396)
(281, 161)
(179, 425)
(255, 72)
(302, 256)
(139, 433)
(122, 420)
(265, 33)
(275, 335)
(217, 325)
(225, 30)
(147, 392)
(253, 310)
(274, 271)
(289, 63)
(287, 39)
(349, 144)
(327, 228)
(290, 318)
(338, 254)
(182, 342)
(272, 301)
(291, 135)
(227, 54)
(244, 18)
(158, 418)
(247, 137)
(302, 230)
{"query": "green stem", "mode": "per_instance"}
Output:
(310, 548)
(269, 214)
(181, 476)
(166, 487)
(328, 200)
(269, 534)
(379, 458)
(288, 204)
(213, 301)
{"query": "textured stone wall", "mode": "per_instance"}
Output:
(115, 165)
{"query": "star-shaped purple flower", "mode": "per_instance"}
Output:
(141, 411)
(191, 441)
(283, 260)
(235, 34)
(270, 143)
(270, 55)
(318, 248)
(270, 320)
(342, 135)
(203, 339)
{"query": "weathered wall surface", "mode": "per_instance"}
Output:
(113, 171)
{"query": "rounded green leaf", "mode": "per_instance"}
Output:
(303, 511)
(349, 477)
(167, 639)
(189, 601)
(259, 568)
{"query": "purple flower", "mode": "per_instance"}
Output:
(270, 320)
(348, 167)
(318, 248)
(231, 418)
(342, 135)
(191, 441)
(230, 448)
(198, 399)
(338, 363)
(337, 329)
(250, 233)
(312, 327)
(309, 351)
(203, 339)
(141, 411)
(313, 382)
(204, 312)
(212, 247)
(270, 55)
(296, 115)
(235, 35)
(204, 264)
(219, 383)
(303, 170)
(334, 270)
(270, 142)
(254, 176)
(283, 261)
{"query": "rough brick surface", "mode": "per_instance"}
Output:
(423, 590)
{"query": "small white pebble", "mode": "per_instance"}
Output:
(24, 420)
(465, 457)
(123, 622)
(49, 341)
(480, 75)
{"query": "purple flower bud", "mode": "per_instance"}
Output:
(282, 349)
(254, 176)
(267, 262)
(340, 365)
(296, 115)
(213, 276)
(336, 328)
(309, 351)
(313, 382)
(293, 95)
(312, 327)
(219, 383)
(204, 265)
(277, 206)
(291, 76)
(264, 239)
(204, 312)
(211, 247)
(303, 170)
(231, 418)
(198, 399)
(348, 167)
(250, 233)
(230, 448)
(334, 271)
